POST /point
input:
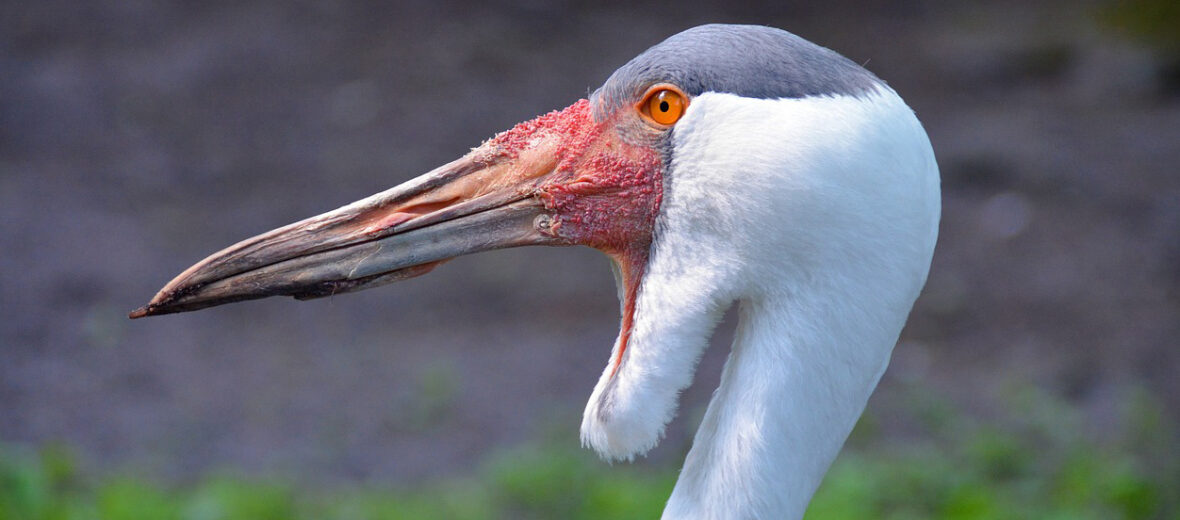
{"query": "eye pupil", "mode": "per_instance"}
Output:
(664, 106)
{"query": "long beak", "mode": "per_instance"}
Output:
(489, 199)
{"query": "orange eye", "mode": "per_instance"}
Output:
(664, 105)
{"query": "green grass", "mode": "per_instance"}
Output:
(1036, 463)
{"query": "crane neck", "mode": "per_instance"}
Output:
(824, 249)
(795, 383)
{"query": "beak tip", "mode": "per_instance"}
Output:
(139, 313)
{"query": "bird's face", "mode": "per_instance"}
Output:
(720, 159)
(564, 178)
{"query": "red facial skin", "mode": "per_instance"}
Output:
(605, 190)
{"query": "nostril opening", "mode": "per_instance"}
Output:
(385, 221)
(423, 208)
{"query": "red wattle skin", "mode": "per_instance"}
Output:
(604, 191)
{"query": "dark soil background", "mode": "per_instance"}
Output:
(136, 137)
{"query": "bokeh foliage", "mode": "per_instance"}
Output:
(1038, 461)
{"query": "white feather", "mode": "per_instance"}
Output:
(820, 216)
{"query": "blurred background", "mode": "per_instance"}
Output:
(1039, 375)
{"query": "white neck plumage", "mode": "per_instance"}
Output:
(795, 384)
(825, 243)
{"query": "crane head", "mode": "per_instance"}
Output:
(725, 163)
